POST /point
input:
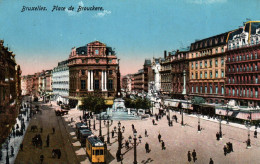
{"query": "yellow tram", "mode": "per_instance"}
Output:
(95, 149)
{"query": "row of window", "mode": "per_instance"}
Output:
(243, 92)
(96, 84)
(206, 63)
(207, 52)
(83, 72)
(243, 67)
(245, 80)
(198, 89)
(243, 57)
(206, 75)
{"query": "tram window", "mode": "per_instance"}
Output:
(93, 152)
(101, 152)
(97, 152)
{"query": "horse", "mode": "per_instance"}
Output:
(34, 127)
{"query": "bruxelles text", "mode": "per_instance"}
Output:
(61, 8)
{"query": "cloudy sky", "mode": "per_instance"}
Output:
(137, 29)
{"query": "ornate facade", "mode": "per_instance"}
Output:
(165, 72)
(93, 69)
(9, 91)
(243, 65)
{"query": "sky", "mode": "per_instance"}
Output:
(137, 29)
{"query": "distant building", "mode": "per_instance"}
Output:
(165, 72)
(155, 84)
(60, 82)
(93, 69)
(138, 80)
(243, 65)
(127, 83)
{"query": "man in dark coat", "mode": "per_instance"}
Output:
(159, 137)
(194, 155)
(48, 140)
(163, 145)
(147, 147)
(189, 156)
(211, 161)
(21, 146)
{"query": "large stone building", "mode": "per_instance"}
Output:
(60, 82)
(9, 91)
(127, 83)
(155, 84)
(180, 64)
(207, 68)
(93, 69)
(138, 81)
(243, 65)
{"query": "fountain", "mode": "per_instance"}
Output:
(120, 112)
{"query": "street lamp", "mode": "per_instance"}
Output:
(199, 129)
(119, 141)
(108, 124)
(135, 144)
(248, 125)
(220, 130)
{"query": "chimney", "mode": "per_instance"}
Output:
(165, 54)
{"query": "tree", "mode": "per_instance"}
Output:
(92, 103)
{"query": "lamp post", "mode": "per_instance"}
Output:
(100, 131)
(248, 125)
(199, 129)
(220, 130)
(135, 144)
(119, 141)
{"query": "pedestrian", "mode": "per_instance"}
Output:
(255, 134)
(133, 127)
(41, 158)
(189, 156)
(153, 122)
(194, 155)
(211, 161)
(225, 150)
(80, 118)
(145, 133)
(12, 151)
(21, 146)
(113, 133)
(1, 153)
(53, 130)
(163, 145)
(159, 137)
(147, 147)
(231, 146)
(217, 135)
(71, 119)
(41, 129)
(48, 141)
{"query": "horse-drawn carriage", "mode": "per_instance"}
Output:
(61, 112)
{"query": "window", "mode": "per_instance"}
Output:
(210, 63)
(210, 91)
(237, 58)
(256, 93)
(196, 54)
(256, 80)
(200, 64)
(240, 57)
(222, 61)
(83, 84)
(201, 89)
(206, 89)
(110, 72)
(96, 52)
(82, 61)
(196, 89)
(247, 57)
(251, 56)
(206, 63)
(216, 75)
(110, 61)
(97, 60)
(233, 92)
(96, 85)
(244, 57)
(83, 72)
(222, 49)
(192, 89)
(255, 55)
(210, 74)
(192, 76)
(196, 75)
(216, 50)
(247, 92)
(216, 89)
(200, 75)
(191, 65)
(110, 84)
(222, 90)
(229, 59)
(222, 73)
(101, 152)
(97, 152)
(196, 65)
(206, 74)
